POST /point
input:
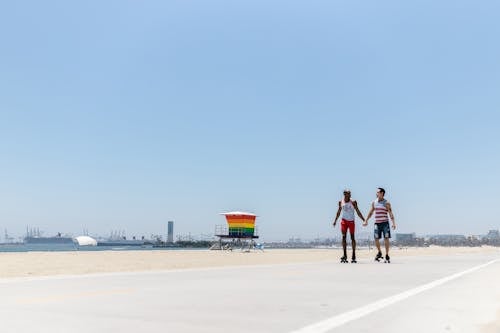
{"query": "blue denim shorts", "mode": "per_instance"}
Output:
(382, 228)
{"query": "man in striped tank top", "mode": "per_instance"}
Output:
(383, 210)
(347, 206)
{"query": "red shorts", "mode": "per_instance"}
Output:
(344, 225)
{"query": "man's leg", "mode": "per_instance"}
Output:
(387, 235)
(377, 233)
(353, 242)
(386, 243)
(352, 228)
(344, 243)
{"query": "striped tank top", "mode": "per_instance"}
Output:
(347, 210)
(380, 211)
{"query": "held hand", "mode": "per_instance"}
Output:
(365, 223)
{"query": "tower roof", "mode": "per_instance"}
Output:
(238, 213)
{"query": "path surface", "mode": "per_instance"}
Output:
(310, 297)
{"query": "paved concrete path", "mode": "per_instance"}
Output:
(412, 294)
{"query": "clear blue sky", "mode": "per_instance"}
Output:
(127, 114)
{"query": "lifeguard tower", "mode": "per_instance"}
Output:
(240, 230)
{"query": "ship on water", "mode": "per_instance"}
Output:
(35, 241)
(118, 238)
(34, 238)
(120, 242)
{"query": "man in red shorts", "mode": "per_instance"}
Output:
(347, 206)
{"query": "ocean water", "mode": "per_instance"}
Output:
(19, 247)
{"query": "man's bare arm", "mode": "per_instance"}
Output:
(389, 209)
(338, 214)
(355, 204)
(372, 208)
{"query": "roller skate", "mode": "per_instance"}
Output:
(353, 260)
(387, 259)
(378, 256)
(344, 260)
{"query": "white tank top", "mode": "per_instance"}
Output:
(347, 210)
(380, 211)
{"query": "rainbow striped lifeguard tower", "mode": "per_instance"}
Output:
(240, 228)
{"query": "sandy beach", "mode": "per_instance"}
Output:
(26, 264)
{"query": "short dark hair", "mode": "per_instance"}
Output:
(381, 190)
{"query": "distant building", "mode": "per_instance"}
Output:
(448, 240)
(493, 235)
(406, 239)
(170, 232)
